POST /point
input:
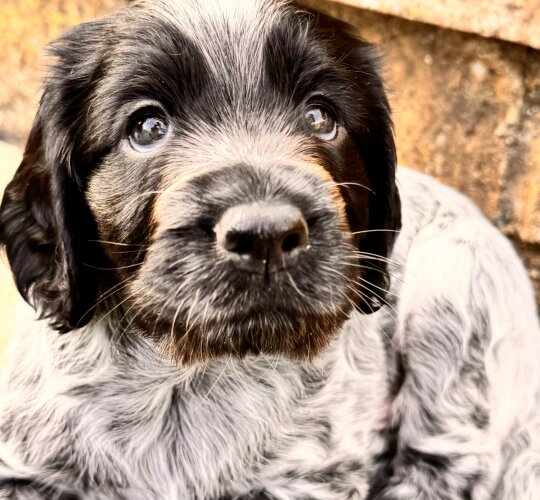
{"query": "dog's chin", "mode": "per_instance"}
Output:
(289, 333)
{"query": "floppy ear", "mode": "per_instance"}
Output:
(45, 223)
(376, 145)
(374, 140)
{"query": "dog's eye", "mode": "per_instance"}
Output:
(321, 123)
(148, 133)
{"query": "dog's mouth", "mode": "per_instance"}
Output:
(207, 305)
(269, 331)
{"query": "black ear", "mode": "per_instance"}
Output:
(373, 135)
(45, 223)
(376, 144)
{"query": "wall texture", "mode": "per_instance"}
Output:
(512, 20)
(466, 107)
(26, 26)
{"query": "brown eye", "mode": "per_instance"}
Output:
(321, 123)
(147, 134)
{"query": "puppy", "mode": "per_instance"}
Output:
(204, 220)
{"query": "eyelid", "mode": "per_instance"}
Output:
(320, 101)
(135, 112)
(142, 104)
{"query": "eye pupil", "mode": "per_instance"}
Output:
(147, 133)
(321, 123)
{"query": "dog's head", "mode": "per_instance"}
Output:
(220, 174)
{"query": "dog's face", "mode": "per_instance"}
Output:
(220, 174)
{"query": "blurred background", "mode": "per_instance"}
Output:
(464, 81)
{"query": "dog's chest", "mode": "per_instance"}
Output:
(252, 424)
(132, 428)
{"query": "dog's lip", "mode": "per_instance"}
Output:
(259, 311)
(269, 321)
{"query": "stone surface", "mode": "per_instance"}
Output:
(26, 26)
(522, 193)
(513, 20)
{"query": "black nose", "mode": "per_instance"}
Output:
(262, 237)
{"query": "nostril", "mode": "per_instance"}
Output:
(296, 237)
(291, 242)
(239, 243)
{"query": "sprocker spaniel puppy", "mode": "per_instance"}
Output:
(205, 221)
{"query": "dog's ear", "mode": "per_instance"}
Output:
(45, 223)
(375, 142)
(373, 135)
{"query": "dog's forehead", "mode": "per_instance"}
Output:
(201, 13)
(222, 29)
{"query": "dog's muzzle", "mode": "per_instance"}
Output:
(248, 260)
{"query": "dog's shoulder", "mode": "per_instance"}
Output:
(457, 268)
(437, 216)
(444, 233)
(426, 202)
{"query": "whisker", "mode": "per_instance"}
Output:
(175, 317)
(130, 296)
(225, 366)
(373, 256)
(113, 268)
(384, 301)
(376, 269)
(389, 292)
(121, 252)
(293, 283)
(376, 231)
(134, 317)
(364, 297)
(356, 184)
(105, 295)
(105, 242)
(124, 316)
